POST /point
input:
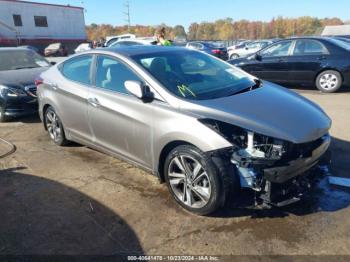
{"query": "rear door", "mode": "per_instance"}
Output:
(273, 65)
(71, 92)
(121, 123)
(308, 57)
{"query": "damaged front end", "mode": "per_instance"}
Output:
(279, 172)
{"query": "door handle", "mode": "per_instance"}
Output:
(93, 101)
(53, 86)
(281, 60)
(321, 58)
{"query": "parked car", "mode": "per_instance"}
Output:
(320, 61)
(18, 69)
(209, 48)
(238, 45)
(134, 41)
(111, 39)
(56, 49)
(83, 47)
(203, 126)
(248, 48)
(345, 39)
(30, 47)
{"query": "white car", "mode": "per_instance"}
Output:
(112, 39)
(83, 47)
(135, 41)
(247, 48)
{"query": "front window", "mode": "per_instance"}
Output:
(111, 74)
(194, 75)
(21, 59)
(278, 49)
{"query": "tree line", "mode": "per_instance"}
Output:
(225, 29)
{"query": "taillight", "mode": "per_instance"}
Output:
(216, 51)
(38, 81)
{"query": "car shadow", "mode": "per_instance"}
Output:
(44, 217)
(28, 119)
(323, 198)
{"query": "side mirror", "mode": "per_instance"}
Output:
(246, 48)
(258, 57)
(52, 63)
(135, 88)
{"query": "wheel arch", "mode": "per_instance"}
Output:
(326, 69)
(45, 107)
(164, 153)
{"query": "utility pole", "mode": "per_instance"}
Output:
(127, 13)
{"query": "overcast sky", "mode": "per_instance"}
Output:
(173, 12)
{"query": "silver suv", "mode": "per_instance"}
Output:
(203, 126)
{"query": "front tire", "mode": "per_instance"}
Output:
(329, 81)
(54, 127)
(193, 180)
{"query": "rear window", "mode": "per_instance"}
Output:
(309, 47)
(341, 43)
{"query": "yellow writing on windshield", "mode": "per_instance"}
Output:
(183, 89)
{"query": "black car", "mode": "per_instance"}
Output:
(19, 68)
(209, 48)
(320, 61)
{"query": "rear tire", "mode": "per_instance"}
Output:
(54, 127)
(194, 180)
(234, 56)
(329, 81)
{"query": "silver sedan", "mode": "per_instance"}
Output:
(203, 126)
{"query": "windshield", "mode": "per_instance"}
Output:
(341, 43)
(194, 75)
(21, 59)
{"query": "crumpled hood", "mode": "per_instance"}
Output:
(269, 110)
(20, 77)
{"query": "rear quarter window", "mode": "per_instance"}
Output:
(78, 69)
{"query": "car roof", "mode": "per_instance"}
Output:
(308, 37)
(142, 49)
(137, 40)
(6, 49)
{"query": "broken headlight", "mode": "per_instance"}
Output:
(247, 144)
(262, 147)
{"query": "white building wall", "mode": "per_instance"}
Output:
(63, 22)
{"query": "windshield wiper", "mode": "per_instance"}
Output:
(25, 67)
(258, 83)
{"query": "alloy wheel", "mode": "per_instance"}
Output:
(53, 125)
(189, 181)
(328, 81)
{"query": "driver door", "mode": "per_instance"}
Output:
(120, 122)
(274, 62)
